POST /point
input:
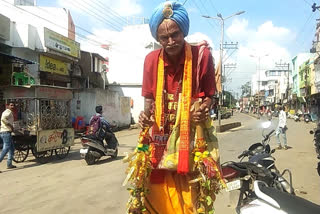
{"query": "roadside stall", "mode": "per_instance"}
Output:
(42, 121)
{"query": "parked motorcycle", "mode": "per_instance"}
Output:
(307, 117)
(94, 147)
(275, 113)
(261, 167)
(265, 199)
(316, 139)
(296, 117)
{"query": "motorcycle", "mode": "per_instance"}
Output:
(296, 117)
(259, 167)
(307, 117)
(94, 147)
(270, 200)
(316, 139)
(275, 113)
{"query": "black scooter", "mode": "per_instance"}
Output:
(94, 147)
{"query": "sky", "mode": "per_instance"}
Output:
(269, 30)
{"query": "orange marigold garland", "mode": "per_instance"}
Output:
(138, 173)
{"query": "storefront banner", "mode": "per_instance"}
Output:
(53, 93)
(60, 43)
(50, 65)
(54, 139)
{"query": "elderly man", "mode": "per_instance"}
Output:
(5, 132)
(173, 78)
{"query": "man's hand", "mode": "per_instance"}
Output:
(145, 121)
(202, 113)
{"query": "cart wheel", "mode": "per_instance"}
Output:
(21, 153)
(42, 157)
(62, 152)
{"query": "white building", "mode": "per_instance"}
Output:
(33, 31)
(273, 85)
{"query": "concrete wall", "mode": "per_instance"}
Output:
(116, 108)
(138, 101)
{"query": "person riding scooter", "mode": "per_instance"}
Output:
(100, 128)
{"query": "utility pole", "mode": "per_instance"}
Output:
(315, 7)
(221, 19)
(224, 79)
(259, 58)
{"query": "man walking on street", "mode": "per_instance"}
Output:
(5, 132)
(282, 129)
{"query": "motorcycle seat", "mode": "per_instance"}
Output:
(229, 173)
(290, 203)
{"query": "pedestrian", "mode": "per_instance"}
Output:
(171, 78)
(6, 129)
(282, 129)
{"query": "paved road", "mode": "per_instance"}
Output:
(70, 186)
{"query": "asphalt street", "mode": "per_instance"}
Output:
(70, 186)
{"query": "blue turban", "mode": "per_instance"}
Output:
(179, 15)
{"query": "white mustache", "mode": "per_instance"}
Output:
(174, 46)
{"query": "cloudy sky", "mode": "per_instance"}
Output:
(270, 29)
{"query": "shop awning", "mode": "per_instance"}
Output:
(17, 59)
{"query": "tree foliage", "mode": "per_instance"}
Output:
(246, 89)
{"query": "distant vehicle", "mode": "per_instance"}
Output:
(225, 115)
(275, 113)
(213, 115)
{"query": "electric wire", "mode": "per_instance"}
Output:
(113, 12)
(92, 13)
(98, 8)
(302, 30)
(80, 36)
(196, 5)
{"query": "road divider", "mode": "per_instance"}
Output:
(225, 127)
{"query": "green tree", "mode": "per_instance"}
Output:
(229, 100)
(246, 89)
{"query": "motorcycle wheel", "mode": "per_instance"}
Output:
(89, 158)
(115, 155)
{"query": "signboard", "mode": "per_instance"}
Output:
(18, 92)
(53, 93)
(54, 139)
(4, 28)
(50, 65)
(60, 43)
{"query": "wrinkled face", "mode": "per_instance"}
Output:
(170, 37)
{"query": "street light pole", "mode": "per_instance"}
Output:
(259, 58)
(219, 17)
